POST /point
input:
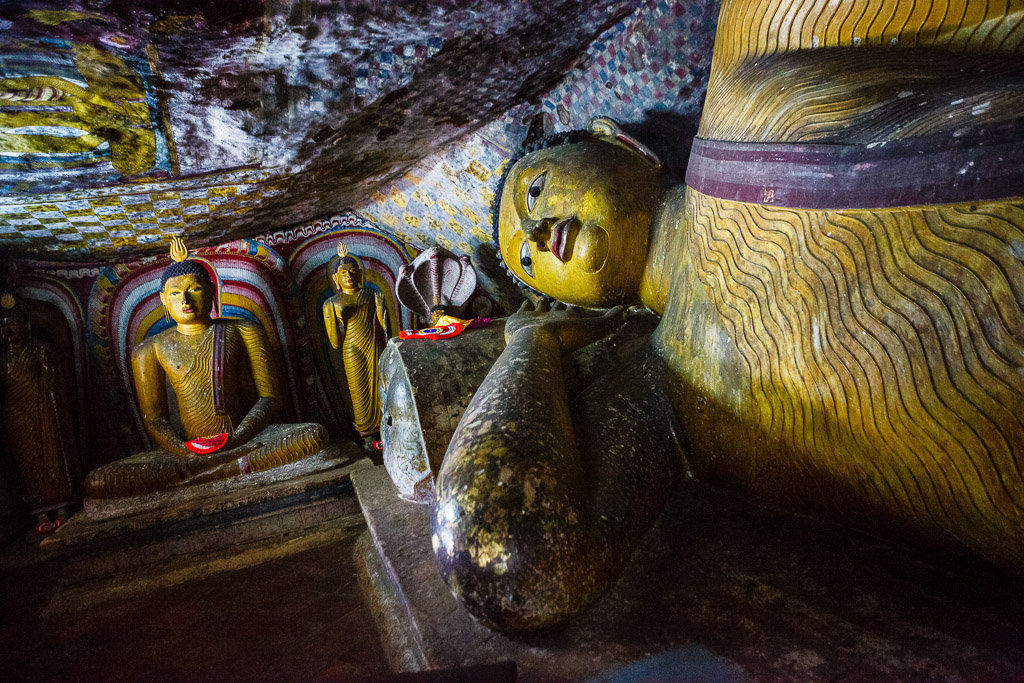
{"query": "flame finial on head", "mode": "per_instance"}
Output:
(7, 300)
(179, 252)
(342, 250)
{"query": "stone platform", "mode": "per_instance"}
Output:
(125, 547)
(719, 588)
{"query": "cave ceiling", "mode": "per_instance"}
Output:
(123, 122)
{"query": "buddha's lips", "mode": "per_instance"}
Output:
(559, 235)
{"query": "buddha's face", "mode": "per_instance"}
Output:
(13, 329)
(574, 221)
(348, 277)
(187, 299)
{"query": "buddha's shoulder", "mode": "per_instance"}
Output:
(240, 326)
(152, 344)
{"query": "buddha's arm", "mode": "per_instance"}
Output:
(529, 525)
(150, 387)
(264, 375)
(331, 323)
(382, 311)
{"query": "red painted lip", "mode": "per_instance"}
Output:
(559, 235)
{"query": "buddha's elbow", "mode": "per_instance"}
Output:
(514, 569)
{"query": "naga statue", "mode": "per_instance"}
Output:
(223, 375)
(356, 322)
(436, 283)
(36, 433)
(841, 288)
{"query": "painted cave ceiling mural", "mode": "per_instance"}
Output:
(124, 122)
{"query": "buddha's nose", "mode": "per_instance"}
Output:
(538, 231)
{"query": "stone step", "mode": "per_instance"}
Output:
(720, 588)
(114, 557)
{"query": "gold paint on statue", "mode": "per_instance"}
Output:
(244, 405)
(36, 431)
(355, 322)
(586, 247)
(865, 365)
(841, 70)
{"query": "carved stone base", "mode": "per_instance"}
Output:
(333, 456)
(721, 589)
(103, 556)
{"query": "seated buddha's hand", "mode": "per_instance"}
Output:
(574, 327)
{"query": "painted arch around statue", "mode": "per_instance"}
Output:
(125, 309)
(381, 256)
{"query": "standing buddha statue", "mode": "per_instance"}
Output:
(356, 322)
(223, 375)
(36, 432)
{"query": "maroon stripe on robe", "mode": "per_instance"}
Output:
(981, 164)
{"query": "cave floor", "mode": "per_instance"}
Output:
(300, 617)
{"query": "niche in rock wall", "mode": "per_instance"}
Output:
(56, 318)
(381, 257)
(125, 309)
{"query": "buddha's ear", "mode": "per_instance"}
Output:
(609, 131)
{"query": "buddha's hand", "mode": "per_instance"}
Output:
(574, 327)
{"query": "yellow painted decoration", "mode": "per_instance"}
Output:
(112, 109)
(225, 380)
(355, 321)
(55, 17)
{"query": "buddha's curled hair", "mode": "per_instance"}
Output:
(186, 267)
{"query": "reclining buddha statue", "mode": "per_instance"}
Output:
(841, 288)
(224, 378)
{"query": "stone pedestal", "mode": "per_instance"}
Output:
(116, 548)
(721, 589)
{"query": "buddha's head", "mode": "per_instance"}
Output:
(188, 298)
(186, 289)
(14, 324)
(574, 217)
(348, 273)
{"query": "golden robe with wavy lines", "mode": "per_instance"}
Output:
(863, 363)
(35, 432)
(362, 341)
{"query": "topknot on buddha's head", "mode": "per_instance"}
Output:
(183, 265)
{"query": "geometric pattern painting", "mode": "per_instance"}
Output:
(102, 220)
(648, 72)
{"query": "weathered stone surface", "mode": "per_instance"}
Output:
(273, 94)
(433, 381)
(782, 597)
(330, 458)
(426, 385)
(198, 535)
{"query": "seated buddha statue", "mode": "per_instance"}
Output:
(355, 319)
(841, 291)
(223, 375)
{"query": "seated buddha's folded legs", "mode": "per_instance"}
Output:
(158, 470)
(282, 444)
